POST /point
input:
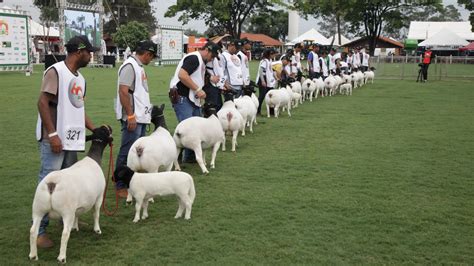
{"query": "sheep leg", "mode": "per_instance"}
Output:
(169, 167)
(97, 206)
(188, 205)
(268, 111)
(243, 127)
(289, 107)
(199, 158)
(234, 139)
(276, 109)
(181, 206)
(34, 230)
(145, 209)
(176, 163)
(214, 152)
(223, 143)
(129, 197)
(251, 123)
(68, 222)
(76, 223)
(138, 207)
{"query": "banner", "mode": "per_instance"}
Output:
(14, 40)
(82, 23)
(171, 44)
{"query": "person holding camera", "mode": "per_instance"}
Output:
(426, 63)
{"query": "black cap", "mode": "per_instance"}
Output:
(236, 42)
(245, 41)
(213, 48)
(147, 45)
(80, 42)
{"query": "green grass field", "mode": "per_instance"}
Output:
(381, 177)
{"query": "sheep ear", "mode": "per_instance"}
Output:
(162, 107)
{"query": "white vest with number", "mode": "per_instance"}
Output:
(324, 66)
(315, 62)
(332, 62)
(365, 59)
(356, 60)
(70, 123)
(197, 76)
(141, 98)
(244, 60)
(266, 67)
(233, 69)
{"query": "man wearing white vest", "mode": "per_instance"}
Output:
(62, 121)
(265, 77)
(133, 107)
(323, 64)
(233, 69)
(244, 60)
(365, 60)
(313, 62)
(186, 86)
(356, 58)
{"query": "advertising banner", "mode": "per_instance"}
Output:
(82, 23)
(171, 44)
(14, 40)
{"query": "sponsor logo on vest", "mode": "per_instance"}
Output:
(235, 60)
(144, 81)
(76, 94)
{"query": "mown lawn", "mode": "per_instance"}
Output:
(382, 177)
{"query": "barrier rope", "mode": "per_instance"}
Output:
(111, 167)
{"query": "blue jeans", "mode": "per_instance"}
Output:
(185, 109)
(128, 138)
(50, 162)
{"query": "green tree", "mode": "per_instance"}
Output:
(121, 12)
(223, 14)
(130, 34)
(469, 5)
(49, 14)
(273, 23)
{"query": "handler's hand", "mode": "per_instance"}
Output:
(201, 94)
(56, 145)
(215, 79)
(131, 124)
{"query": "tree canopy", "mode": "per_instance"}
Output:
(130, 34)
(273, 23)
(125, 11)
(228, 15)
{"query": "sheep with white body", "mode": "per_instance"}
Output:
(277, 98)
(70, 192)
(369, 76)
(330, 84)
(143, 186)
(148, 154)
(319, 84)
(231, 121)
(346, 88)
(308, 87)
(339, 81)
(198, 133)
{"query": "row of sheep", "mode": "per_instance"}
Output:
(75, 190)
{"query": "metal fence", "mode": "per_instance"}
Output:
(407, 67)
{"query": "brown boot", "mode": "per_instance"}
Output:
(43, 241)
(122, 193)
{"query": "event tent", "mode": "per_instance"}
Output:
(445, 39)
(422, 30)
(314, 36)
(344, 40)
(469, 47)
(38, 30)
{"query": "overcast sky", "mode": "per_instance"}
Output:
(160, 7)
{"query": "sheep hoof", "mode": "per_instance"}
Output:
(144, 217)
(128, 203)
(187, 218)
(98, 231)
(136, 220)
(151, 200)
(205, 172)
(62, 260)
(33, 258)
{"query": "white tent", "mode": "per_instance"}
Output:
(312, 35)
(344, 40)
(445, 39)
(37, 29)
(422, 30)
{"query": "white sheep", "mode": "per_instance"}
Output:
(369, 76)
(198, 133)
(246, 107)
(144, 186)
(277, 98)
(319, 83)
(70, 192)
(330, 84)
(148, 154)
(346, 88)
(231, 121)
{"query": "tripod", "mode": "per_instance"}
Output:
(420, 74)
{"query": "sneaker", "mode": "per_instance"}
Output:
(122, 192)
(43, 241)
